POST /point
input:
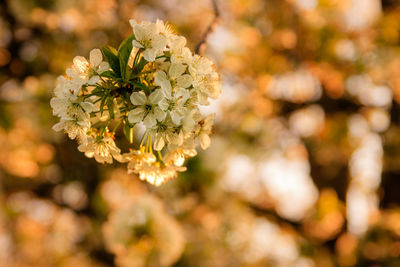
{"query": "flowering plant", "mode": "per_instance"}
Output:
(154, 82)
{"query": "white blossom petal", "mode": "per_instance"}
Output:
(58, 126)
(159, 114)
(95, 57)
(137, 44)
(176, 117)
(176, 70)
(138, 98)
(136, 115)
(93, 80)
(163, 104)
(159, 143)
(150, 120)
(87, 106)
(140, 33)
(81, 63)
(103, 67)
(159, 42)
(205, 141)
(133, 23)
(156, 96)
(160, 77)
(184, 81)
(149, 54)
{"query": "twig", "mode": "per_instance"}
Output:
(203, 41)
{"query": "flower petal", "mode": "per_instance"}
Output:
(95, 57)
(136, 115)
(176, 117)
(93, 80)
(156, 96)
(149, 54)
(159, 114)
(159, 42)
(133, 23)
(205, 141)
(159, 143)
(138, 99)
(182, 95)
(163, 104)
(137, 44)
(87, 106)
(140, 33)
(160, 77)
(184, 81)
(176, 70)
(103, 67)
(150, 120)
(167, 88)
(58, 126)
(80, 64)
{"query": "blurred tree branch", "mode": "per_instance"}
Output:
(203, 41)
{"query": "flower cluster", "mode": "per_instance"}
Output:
(152, 81)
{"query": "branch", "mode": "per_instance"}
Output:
(203, 41)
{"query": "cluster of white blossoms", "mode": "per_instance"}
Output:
(152, 80)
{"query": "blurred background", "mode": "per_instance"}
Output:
(304, 165)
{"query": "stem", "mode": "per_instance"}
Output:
(143, 137)
(147, 143)
(97, 100)
(151, 146)
(203, 41)
(99, 111)
(103, 129)
(116, 127)
(136, 58)
(159, 155)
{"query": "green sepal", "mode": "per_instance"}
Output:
(124, 51)
(109, 74)
(111, 55)
(102, 103)
(110, 105)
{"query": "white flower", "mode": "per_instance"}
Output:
(148, 109)
(70, 108)
(167, 133)
(176, 104)
(175, 78)
(103, 150)
(156, 175)
(165, 29)
(205, 81)
(148, 38)
(67, 87)
(164, 103)
(205, 130)
(75, 129)
(200, 65)
(177, 157)
(137, 159)
(179, 53)
(88, 72)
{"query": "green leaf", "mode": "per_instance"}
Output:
(141, 64)
(110, 105)
(124, 51)
(111, 55)
(108, 74)
(137, 84)
(102, 103)
(128, 131)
